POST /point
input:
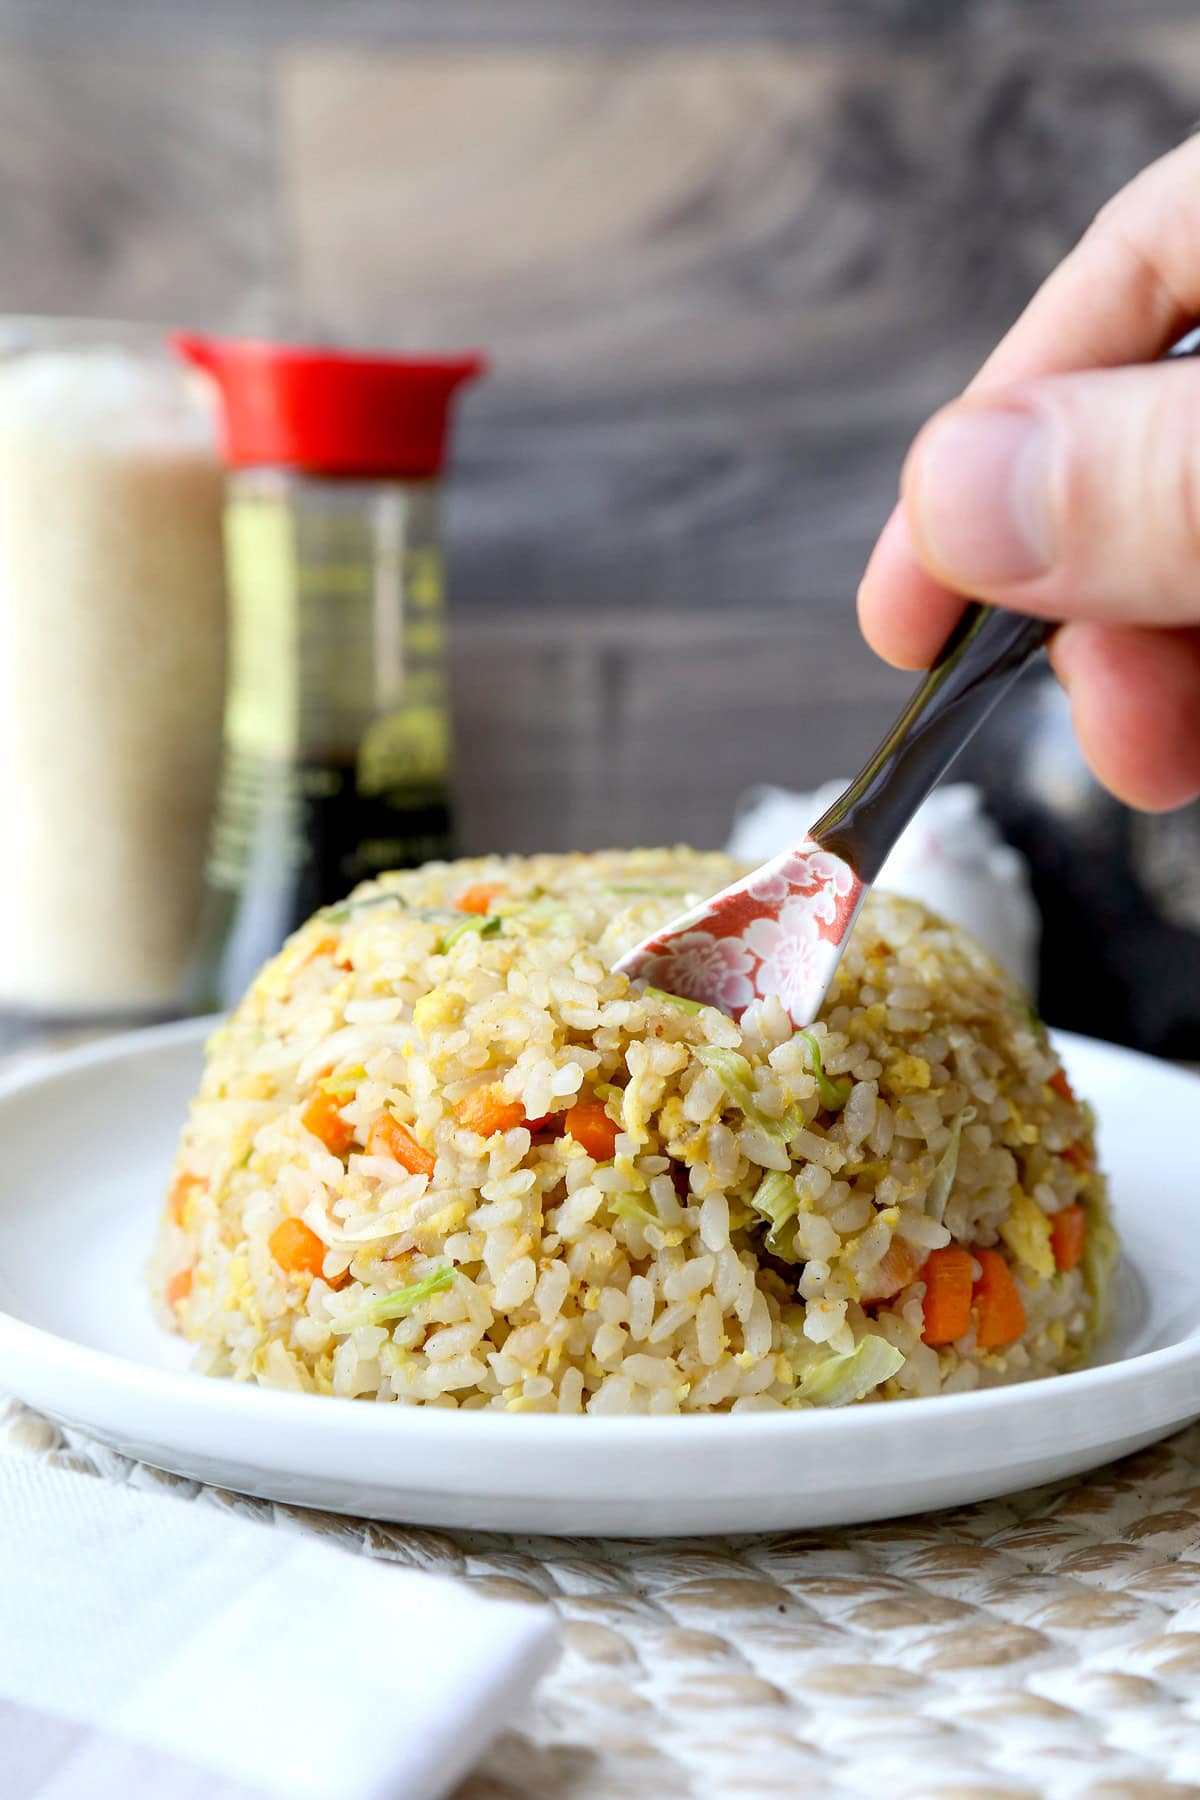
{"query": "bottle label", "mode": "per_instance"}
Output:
(262, 710)
(406, 750)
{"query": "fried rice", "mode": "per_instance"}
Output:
(443, 1154)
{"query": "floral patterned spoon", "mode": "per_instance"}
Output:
(781, 930)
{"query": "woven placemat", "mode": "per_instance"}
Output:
(1047, 1644)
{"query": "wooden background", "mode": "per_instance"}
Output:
(726, 257)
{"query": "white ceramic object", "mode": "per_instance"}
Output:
(85, 1145)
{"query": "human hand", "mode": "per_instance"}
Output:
(1066, 483)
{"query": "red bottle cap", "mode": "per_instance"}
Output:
(330, 412)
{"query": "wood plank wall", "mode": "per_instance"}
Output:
(726, 259)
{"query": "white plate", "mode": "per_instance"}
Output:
(85, 1145)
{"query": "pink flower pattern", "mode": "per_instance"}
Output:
(703, 967)
(825, 867)
(769, 883)
(789, 949)
(778, 932)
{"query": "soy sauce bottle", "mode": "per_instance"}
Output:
(337, 737)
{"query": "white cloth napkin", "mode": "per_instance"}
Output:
(951, 857)
(261, 1654)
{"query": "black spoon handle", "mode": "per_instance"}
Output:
(977, 665)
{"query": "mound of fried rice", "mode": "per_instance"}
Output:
(443, 1154)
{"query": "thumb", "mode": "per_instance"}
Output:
(1077, 496)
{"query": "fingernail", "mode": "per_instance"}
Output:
(981, 496)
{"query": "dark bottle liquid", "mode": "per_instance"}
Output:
(337, 732)
(316, 837)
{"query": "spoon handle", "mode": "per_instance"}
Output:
(977, 665)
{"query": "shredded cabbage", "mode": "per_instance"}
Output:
(684, 1005)
(397, 1305)
(1100, 1250)
(1025, 1010)
(775, 1198)
(348, 908)
(838, 1380)
(449, 915)
(628, 1206)
(947, 1167)
(834, 1094)
(644, 887)
(474, 922)
(736, 1077)
(343, 1085)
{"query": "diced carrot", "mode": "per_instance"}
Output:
(478, 898)
(388, 1137)
(487, 1111)
(324, 946)
(182, 1189)
(948, 1275)
(1062, 1087)
(1079, 1157)
(322, 1118)
(179, 1287)
(297, 1249)
(999, 1312)
(1068, 1229)
(593, 1130)
(897, 1266)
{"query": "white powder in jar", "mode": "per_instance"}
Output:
(112, 669)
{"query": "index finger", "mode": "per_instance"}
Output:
(1127, 291)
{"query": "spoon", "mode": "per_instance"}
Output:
(781, 930)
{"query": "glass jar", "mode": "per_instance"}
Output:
(338, 742)
(112, 670)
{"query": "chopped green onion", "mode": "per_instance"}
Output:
(834, 1094)
(397, 1305)
(947, 1167)
(736, 1077)
(628, 1206)
(834, 1380)
(684, 1005)
(480, 926)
